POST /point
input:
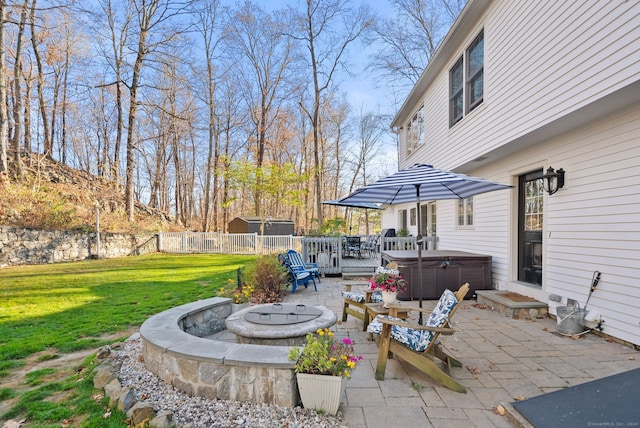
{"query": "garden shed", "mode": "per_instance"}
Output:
(272, 226)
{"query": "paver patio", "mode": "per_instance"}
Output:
(503, 360)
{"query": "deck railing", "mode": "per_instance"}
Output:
(327, 252)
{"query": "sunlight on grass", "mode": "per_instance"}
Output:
(66, 307)
(69, 305)
(47, 302)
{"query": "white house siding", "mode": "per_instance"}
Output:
(552, 70)
(594, 221)
(542, 61)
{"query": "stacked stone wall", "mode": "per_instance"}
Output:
(22, 246)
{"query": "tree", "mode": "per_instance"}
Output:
(327, 28)
(4, 162)
(151, 16)
(207, 23)
(411, 37)
(371, 130)
(35, 42)
(17, 103)
(261, 41)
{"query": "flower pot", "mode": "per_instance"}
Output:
(389, 297)
(235, 307)
(320, 392)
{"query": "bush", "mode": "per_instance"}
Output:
(268, 278)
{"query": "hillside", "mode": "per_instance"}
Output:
(56, 196)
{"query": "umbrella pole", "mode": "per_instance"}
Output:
(419, 244)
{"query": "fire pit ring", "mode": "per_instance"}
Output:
(282, 314)
(278, 323)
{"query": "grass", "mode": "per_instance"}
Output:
(66, 307)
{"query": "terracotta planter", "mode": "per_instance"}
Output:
(389, 297)
(320, 392)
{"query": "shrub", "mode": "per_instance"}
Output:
(268, 278)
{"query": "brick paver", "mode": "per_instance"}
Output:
(503, 360)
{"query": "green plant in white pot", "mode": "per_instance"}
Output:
(322, 367)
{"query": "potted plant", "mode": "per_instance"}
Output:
(389, 284)
(321, 369)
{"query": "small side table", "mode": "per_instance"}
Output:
(373, 309)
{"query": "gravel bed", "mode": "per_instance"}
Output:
(202, 412)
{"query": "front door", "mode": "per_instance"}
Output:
(530, 209)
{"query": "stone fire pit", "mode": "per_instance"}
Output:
(278, 324)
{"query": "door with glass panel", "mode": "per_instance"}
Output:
(530, 216)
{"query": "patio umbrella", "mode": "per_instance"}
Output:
(363, 205)
(407, 185)
(366, 205)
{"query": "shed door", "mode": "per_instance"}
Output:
(530, 208)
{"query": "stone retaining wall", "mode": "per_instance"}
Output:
(22, 246)
(211, 368)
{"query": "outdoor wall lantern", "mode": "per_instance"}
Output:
(553, 180)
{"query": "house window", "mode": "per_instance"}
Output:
(466, 85)
(415, 131)
(456, 92)
(402, 220)
(412, 215)
(465, 212)
(475, 72)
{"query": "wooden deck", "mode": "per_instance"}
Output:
(353, 267)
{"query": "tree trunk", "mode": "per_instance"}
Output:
(17, 105)
(47, 142)
(4, 161)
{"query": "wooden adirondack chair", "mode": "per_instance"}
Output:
(418, 344)
(294, 259)
(354, 302)
(298, 276)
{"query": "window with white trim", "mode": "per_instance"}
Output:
(466, 81)
(415, 131)
(456, 92)
(475, 73)
(402, 220)
(465, 212)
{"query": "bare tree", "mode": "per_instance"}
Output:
(411, 37)
(4, 161)
(207, 23)
(327, 28)
(17, 104)
(151, 15)
(260, 39)
(35, 44)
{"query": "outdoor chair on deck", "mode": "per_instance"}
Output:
(418, 344)
(352, 246)
(297, 276)
(294, 258)
(370, 246)
(354, 303)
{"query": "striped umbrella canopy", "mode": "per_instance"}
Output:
(420, 180)
(366, 205)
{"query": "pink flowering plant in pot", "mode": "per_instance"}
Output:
(390, 282)
(323, 355)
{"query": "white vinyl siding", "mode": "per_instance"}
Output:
(543, 60)
(592, 221)
(561, 88)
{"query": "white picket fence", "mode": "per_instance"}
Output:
(326, 252)
(226, 243)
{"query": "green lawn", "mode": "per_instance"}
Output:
(65, 307)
